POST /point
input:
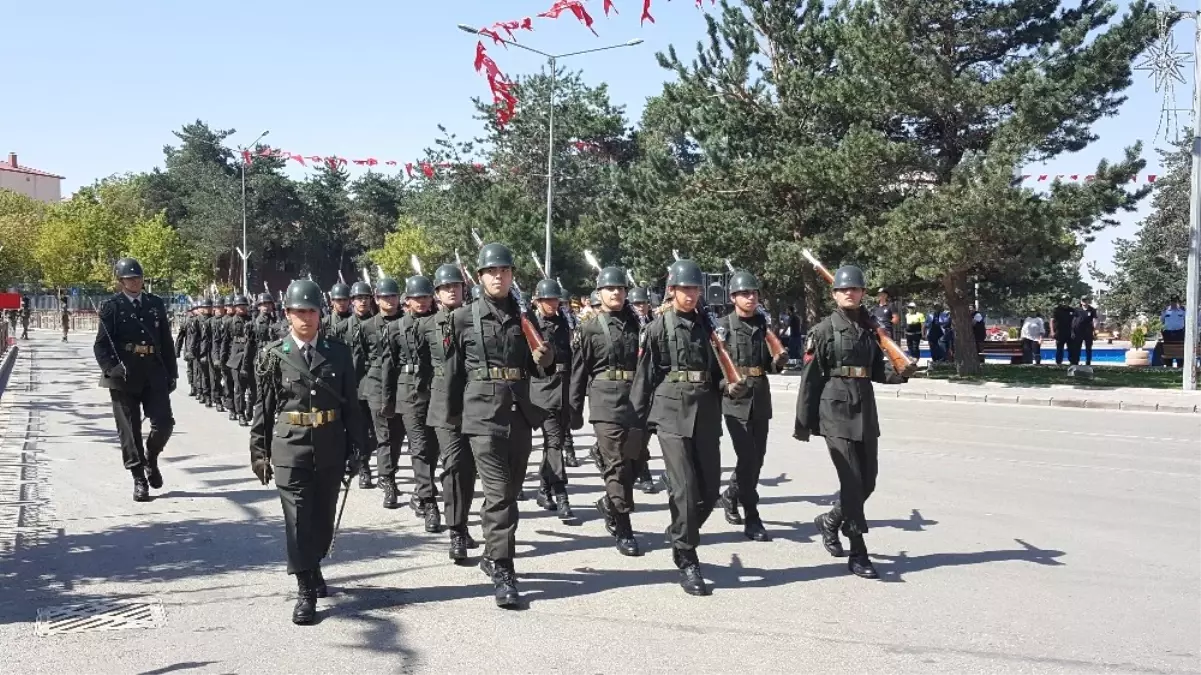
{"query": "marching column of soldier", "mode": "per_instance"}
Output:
(465, 370)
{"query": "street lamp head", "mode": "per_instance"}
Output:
(635, 42)
(264, 134)
(468, 29)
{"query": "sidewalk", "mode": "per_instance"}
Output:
(1057, 395)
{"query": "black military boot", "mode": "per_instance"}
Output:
(243, 421)
(569, 458)
(487, 566)
(691, 579)
(859, 563)
(417, 505)
(220, 406)
(388, 485)
(829, 532)
(754, 529)
(563, 507)
(153, 475)
(208, 402)
(504, 579)
(458, 545)
(141, 491)
(729, 504)
(433, 519)
(626, 543)
(305, 611)
(233, 415)
(545, 500)
(645, 481)
(594, 455)
(606, 510)
(471, 542)
(365, 478)
(319, 583)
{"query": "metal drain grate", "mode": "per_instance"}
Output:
(101, 615)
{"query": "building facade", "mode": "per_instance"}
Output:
(39, 185)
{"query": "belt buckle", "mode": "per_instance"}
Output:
(694, 376)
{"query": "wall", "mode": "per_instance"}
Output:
(41, 188)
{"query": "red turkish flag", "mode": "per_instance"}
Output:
(298, 158)
(610, 7)
(390, 162)
(646, 11)
(576, 7)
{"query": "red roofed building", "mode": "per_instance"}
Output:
(40, 185)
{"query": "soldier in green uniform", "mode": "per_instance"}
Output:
(549, 392)
(216, 330)
(306, 423)
(198, 347)
(389, 430)
(226, 344)
(603, 368)
(836, 400)
(748, 418)
(569, 456)
(489, 370)
(262, 332)
(334, 323)
(136, 356)
(405, 375)
(643, 480)
(362, 309)
(435, 337)
(240, 360)
(678, 372)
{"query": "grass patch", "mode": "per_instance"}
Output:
(1034, 376)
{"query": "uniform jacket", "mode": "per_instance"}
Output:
(334, 325)
(549, 391)
(746, 341)
(281, 388)
(834, 406)
(372, 333)
(686, 409)
(184, 339)
(605, 343)
(406, 369)
(360, 348)
(239, 336)
(436, 336)
(123, 330)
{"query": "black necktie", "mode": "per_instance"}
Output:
(307, 352)
(137, 305)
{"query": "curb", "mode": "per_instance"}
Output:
(1043, 401)
(6, 367)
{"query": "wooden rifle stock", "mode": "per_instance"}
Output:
(728, 370)
(532, 337)
(774, 346)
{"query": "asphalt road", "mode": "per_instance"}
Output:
(1009, 539)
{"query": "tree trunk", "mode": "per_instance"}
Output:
(958, 296)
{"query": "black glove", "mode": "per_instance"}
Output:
(117, 372)
(262, 469)
(171, 385)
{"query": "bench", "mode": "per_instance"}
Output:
(1010, 348)
(1175, 350)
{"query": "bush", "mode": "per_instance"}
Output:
(1138, 337)
(1013, 333)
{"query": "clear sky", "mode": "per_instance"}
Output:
(95, 88)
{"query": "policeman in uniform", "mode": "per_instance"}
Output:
(748, 418)
(435, 336)
(306, 423)
(603, 368)
(836, 400)
(389, 429)
(405, 374)
(489, 370)
(569, 457)
(641, 302)
(549, 392)
(240, 359)
(677, 389)
(137, 358)
(362, 308)
(334, 323)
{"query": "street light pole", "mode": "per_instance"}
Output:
(244, 252)
(552, 60)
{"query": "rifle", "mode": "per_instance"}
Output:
(463, 268)
(773, 341)
(416, 263)
(341, 279)
(716, 338)
(901, 362)
(532, 337)
(111, 343)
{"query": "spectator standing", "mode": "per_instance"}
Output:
(915, 325)
(1173, 327)
(934, 335)
(1061, 328)
(795, 339)
(1084, 326)
(1032, 332)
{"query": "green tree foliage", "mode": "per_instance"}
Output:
(408, 240)
(21, 221)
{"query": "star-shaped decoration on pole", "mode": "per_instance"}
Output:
(1167, 64)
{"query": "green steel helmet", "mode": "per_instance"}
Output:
(548, 289)
(206, 302)
(302, 294)
(360, 289)
(594, 299)
(685, 273)
(219, 301)
(494, 255)
(127, 268)
(564, 294)
(229, 301)
(656, 299)
(265, 298)
(849, 276)
(339, 291)
(639, 294)
(418, 286)
(387, 286)
(448, 274)
(241, 301)
(612, 277)
(743, 281)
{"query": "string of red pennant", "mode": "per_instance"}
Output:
(1043, 177)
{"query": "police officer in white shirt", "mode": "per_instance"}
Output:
(1033, 330)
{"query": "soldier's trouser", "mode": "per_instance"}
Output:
(618, 447)
(458, 476)
(190, 366)
(423, 447)
(642, 463)
(749, 438)
(240, 381)
(128, 408)
(366, 453)
(229, 389)
(693, 484)
(216, 386)
(204, 383)
(915, 345)
(501, 463)
(310, 501)
(552, 470)
(856, 464)
(389, 434)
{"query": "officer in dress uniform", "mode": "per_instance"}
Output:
(603, 368)
(306, 423)
(748, 417)
(435, 337)
(641, 302)
(362, 309)
(405, 374)
(677, 389)
(389, 429)
(240, 361)
(334, 323)
(836, 400)
(569, 456)
(137, 358)
(489, 371)
(549, 392)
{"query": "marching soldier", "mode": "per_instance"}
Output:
(363, 308)
(65, 310)
(549, 392)
(241, 359)
(836, 400)
(677, 389)
(183, 345)
(334, 323)
(405, 374)
(389, 430)
(305, 424)
(135, 352)
(25, 312)
(604, 366)
(200, 344)
(262, 332)
(640, 301)
(489, 370)
(569, 456)
(226, 342)
(216, 325)
(749, 417)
